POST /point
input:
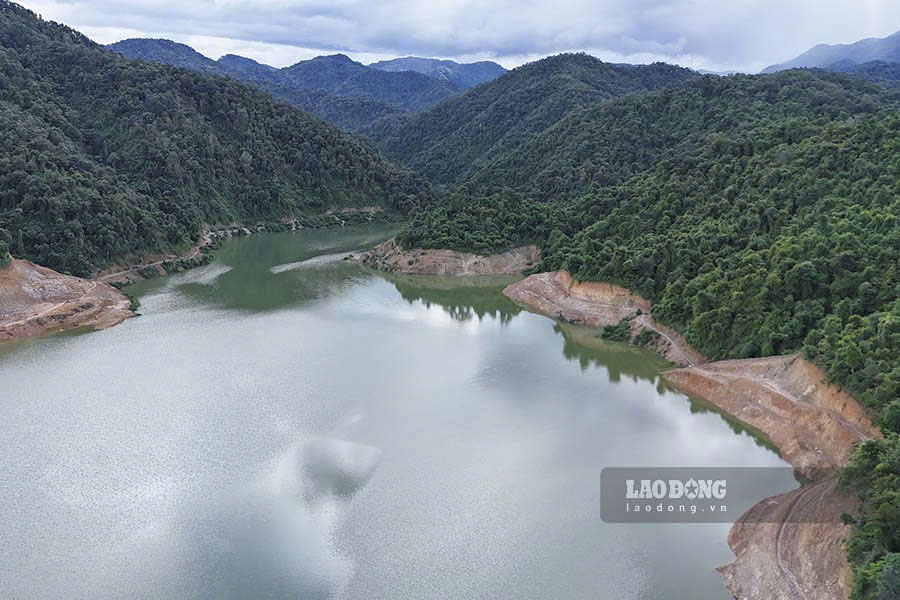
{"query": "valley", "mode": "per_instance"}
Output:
(362, 269)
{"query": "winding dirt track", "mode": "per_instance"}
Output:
(646, 322)
(810, 496)
(191, 254)
(51, 309)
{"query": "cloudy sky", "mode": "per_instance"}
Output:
(709, 34)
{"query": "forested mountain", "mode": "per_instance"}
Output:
(166, 52)
(333, 88)
(453, 141)
(464, 76)
(885, 73)
(103, 157)
(760, 214)
(340, 75)
(824, 55)
(607, 143)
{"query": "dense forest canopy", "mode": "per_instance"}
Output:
(760, 214)
(451, 142)
(103, 157)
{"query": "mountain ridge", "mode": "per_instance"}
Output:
(463, 75)
(886, 49)
(334, 88)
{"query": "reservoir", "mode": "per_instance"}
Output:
(283, 423)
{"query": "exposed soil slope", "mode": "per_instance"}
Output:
(36, 300)
(390, 257)
(593, 304)
(797, 550)
(813, 424)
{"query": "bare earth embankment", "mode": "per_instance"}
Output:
(594, 304)
(35, 300)
(391, 258)
(786, 547)
(789, 546)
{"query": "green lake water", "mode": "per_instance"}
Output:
(284, 424)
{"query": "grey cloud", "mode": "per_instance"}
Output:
(740, 33)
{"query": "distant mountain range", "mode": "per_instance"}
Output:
(464, 76)
(842, 56)
(334, 88)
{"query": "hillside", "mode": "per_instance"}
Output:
(463, 76)
(824, 55)
(608, 143)
(333, 88)
(452, 141)
(340, 75)
(104, 158)
(759, 214)
(884, 73)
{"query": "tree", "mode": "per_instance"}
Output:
(889, 580)
(4, 253)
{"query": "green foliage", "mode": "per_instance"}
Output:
(646, 337)
(482, 225)
(888, 587)
(103, 158)
(873, 473)
(884, 73)
(617, 333)
(890, 418)
(4, 254)
(457, 139)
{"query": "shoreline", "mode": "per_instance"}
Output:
(35, 300)
(797, 549)
(391, 258)
(160, 265)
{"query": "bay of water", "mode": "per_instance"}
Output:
(284, 424)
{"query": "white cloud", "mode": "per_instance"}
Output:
(712, 34)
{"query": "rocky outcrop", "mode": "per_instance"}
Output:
(390, 257)
(593, 304)
(35, 300)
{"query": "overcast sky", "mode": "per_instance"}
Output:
(708, 34)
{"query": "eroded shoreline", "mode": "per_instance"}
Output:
(391, 258)
(789, 546)
(35, 300)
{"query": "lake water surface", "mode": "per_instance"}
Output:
(280, 427)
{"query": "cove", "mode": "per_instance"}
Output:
(285, 424)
